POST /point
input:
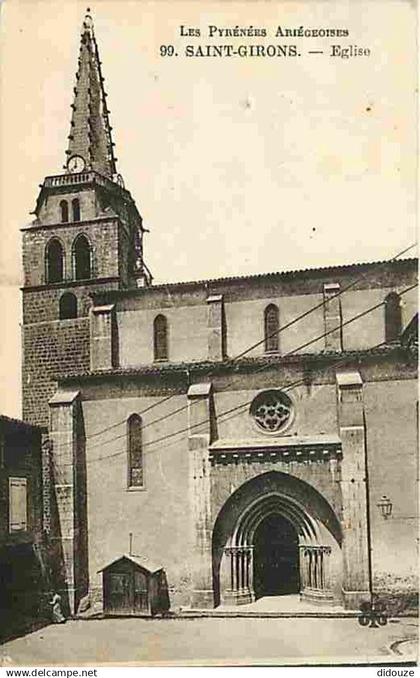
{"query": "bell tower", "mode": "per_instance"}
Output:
(87, 236)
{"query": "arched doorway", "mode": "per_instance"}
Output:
(276, 535)
(276, 557)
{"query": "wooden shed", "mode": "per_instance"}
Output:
(134, 586)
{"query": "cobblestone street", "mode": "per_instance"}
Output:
(217, 641)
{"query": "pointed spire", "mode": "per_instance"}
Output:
(90, 131)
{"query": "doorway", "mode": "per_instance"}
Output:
(276, 557)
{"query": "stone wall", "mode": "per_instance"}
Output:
(50, 349)
(160, 514)
(244, 301)
(392, 448)
(102, 234)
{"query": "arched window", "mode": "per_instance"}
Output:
(68, 306)
(271, 328)
(75, 204)
(160, 338)
(54, 261)
(392, 317)
(64, 211)
(81, 258)
(134, 451)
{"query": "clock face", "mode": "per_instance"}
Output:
(76, 164)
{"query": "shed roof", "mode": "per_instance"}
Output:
(139, 561)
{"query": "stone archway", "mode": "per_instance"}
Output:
(307, 558)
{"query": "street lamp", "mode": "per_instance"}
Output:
(385, 506)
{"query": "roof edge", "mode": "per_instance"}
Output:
(205, 365)
(258, 276)
(19, 423)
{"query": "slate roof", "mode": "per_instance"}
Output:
(90, 132)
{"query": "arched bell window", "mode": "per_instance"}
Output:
(393, 322)
(54, 261)
(271, 328)
(135, 452)
(75, 204)
(82, 258)
(68, 306)
(64, 211)
(160, 338)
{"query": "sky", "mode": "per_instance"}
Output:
(237, 165)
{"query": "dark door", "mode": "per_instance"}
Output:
(276, 557)
(119, 593)
(141, 598)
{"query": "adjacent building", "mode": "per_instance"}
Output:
(22, 554)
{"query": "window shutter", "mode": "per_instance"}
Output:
(17, 505)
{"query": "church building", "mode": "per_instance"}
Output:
(231, 438)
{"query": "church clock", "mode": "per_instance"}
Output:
(76, 164)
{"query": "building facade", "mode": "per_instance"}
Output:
(22, 553)
(249, 435)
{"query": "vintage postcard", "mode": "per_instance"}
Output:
(208, 417)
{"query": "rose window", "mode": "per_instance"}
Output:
(272, 410)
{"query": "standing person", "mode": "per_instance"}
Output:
(57, 614)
